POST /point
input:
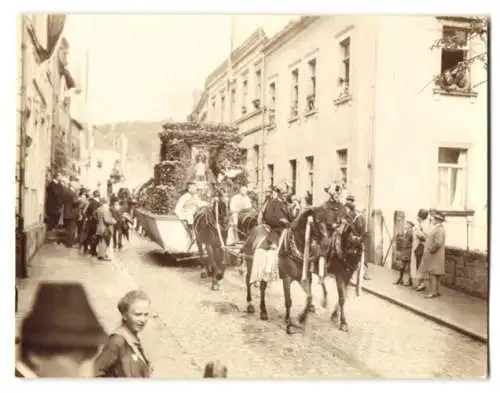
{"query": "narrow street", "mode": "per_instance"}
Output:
(384, 340)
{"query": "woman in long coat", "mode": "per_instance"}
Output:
(417, 250)
(433, 259)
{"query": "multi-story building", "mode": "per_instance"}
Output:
(102, 164)
(39, 75)
(77, 135)
(63, 86)
(234, 94)
(352, 99)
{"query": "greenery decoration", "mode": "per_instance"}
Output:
(172, 173)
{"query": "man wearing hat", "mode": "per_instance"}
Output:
(61, 335)
(277, 216)
(433, 259)
(70, 212)
(356, 220)
(91, 227)
(54, 201)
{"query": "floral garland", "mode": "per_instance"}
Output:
(199, 127)
(171, 173)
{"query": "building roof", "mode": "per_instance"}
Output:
(258, 36)
(289, 32)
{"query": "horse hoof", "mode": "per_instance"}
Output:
(343, 327)
(292, 328)
(334, 318)
(215, 286)
(324, 304)
(302, 318)
(203, 275)
(264, 316)
(250, 309)
(312, 308)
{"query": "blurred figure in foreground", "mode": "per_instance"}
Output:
(215, 370)
(61, 335)
(123, 355)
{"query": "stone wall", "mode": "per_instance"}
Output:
(467, 271)
(35, 238)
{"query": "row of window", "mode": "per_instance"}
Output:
(451, 173)
(452, 76)
(254, 104)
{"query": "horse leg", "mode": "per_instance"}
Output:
(263, 310)
(312, 307)
(204, 272)
(212, 270)
(342, 292)
(250, 307)
(287, 282)
(306, 286)
(324, 302)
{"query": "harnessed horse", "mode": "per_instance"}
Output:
(343, 259)
(290, 260)
(210, 225)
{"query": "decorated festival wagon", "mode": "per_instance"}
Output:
(206, 155)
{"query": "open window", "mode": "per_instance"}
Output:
(455, 70)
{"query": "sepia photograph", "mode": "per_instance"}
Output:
(252, 196)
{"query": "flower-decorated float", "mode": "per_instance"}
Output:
(206, 154)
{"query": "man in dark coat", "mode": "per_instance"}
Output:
(70, 213)
(357, 221)
(92, 223)
(54, 202)
(277, 215)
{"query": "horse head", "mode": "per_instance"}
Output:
(319, 233)
(353, 236)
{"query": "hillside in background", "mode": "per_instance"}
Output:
(142, 149)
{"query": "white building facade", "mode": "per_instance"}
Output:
(351, 99)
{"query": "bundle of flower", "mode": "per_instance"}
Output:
(193, 133)
(234, 178)
(160, 200)
(171, 173)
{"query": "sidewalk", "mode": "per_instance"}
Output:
(456, 310)
(105, 283)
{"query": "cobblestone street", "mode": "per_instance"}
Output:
(195, 325)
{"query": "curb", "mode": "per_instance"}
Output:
(439, 320)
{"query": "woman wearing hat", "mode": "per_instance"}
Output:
(434, 255)
(419, 235)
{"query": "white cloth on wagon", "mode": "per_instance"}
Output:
(238, 204)
(265, 266)
(187, 206)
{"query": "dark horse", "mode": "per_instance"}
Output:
(210, 224)
(290, 260)
(343, 259)
(247, 221)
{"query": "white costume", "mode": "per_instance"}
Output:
(186, 207)
(238, 203)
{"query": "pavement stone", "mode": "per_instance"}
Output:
(384, 341)
(105, 283)
(196, 325)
